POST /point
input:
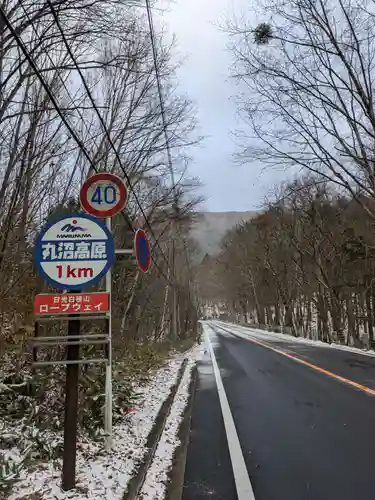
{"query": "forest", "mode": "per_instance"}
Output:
(304, 266)
(305, 77)
(85, 89)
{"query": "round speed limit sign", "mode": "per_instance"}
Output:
(103, 195)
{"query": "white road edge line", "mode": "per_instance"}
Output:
(241, 475)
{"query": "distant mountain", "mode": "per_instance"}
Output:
(209, 228)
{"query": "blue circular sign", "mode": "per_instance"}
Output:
(74, 251)
(142, 250)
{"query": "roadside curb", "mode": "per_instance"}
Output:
(136, 482)
(313, 343)
(175, 485)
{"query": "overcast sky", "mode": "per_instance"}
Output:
(204, 77)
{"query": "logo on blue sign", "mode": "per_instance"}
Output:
(69, 228)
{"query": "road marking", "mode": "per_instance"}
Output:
(241, 476)
(306, 363)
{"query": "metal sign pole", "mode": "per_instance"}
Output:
(71, 407)
(59, 240)
(108, 372)
(36, 335)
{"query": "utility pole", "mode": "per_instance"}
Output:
(108, 368)
(166, 296)
(71, 407)
(174, 291)
(165, 127)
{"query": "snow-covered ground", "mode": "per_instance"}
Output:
(105, 475)
(157, 476)
(266, 335)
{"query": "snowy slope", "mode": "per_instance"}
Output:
(105, 475)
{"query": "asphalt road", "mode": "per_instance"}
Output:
(303, 434)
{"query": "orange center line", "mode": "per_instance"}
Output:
(315, 367)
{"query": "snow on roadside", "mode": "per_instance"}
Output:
(100, 474)
(265, 334)
(158, 474)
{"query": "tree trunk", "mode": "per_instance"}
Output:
(352, 323)
(288, 317)
(323, 329)
(277, 314)
(369, 309)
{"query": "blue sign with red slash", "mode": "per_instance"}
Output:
(142, 250)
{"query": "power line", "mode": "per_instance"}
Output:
(74, 135)
(43, 82)
(93, 139)
(169, 155)
(161, 100)
(105, 129)
(60, 113)
(167, 144)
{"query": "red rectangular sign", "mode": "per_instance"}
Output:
(71, 303)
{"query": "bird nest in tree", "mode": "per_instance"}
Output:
(263, 33)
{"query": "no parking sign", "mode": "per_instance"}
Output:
(142, 250)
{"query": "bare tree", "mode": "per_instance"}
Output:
(98, 64)
(307, 79)
(304, 266)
